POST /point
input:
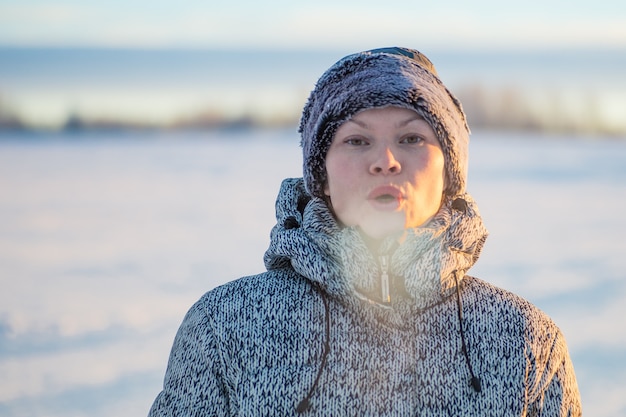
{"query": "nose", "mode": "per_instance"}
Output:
(385, 163)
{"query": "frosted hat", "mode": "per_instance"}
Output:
(374, 79)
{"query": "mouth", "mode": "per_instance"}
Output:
(386, 195)
(386, 198)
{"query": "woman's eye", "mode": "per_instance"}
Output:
(411, 139)
(356, 141)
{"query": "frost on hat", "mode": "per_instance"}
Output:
(379, 78)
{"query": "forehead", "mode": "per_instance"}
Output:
(385, 116)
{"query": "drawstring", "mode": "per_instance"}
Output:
(475, 381)
(305, 404)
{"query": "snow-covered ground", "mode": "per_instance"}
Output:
(106, 241)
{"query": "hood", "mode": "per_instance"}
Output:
(424, 264)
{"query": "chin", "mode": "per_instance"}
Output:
(382, 229)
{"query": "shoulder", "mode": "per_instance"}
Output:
(277, 282)
(496, 300)
(498, 309)
(254, 296)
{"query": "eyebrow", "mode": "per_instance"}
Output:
(401, 124)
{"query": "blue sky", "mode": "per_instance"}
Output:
(313, 24)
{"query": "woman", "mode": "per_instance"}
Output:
(365, 308)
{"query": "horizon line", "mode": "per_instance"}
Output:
(462, 49)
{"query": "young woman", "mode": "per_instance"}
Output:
(365, 308)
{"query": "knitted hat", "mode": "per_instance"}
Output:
(374, 79)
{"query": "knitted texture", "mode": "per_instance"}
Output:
(376, 79)
(254, 346)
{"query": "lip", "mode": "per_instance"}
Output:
(386, 197)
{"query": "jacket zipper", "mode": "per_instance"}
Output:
(384, 279)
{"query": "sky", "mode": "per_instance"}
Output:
(327, 25)
(313, 24)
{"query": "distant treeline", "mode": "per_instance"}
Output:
(544, 111)
(501, 108)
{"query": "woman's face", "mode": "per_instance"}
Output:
(385, 171)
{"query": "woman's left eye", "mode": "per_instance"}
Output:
(356, 142)
(411, 139)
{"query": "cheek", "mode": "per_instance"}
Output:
(440, 168)
(433, 167)
(443, 173)
(339, 185)
(337, 171)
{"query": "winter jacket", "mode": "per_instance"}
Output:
(331, 329)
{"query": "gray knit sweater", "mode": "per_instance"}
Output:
(313, 333)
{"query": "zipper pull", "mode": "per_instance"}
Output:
(384, 279)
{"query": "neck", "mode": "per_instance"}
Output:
(374, 244)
